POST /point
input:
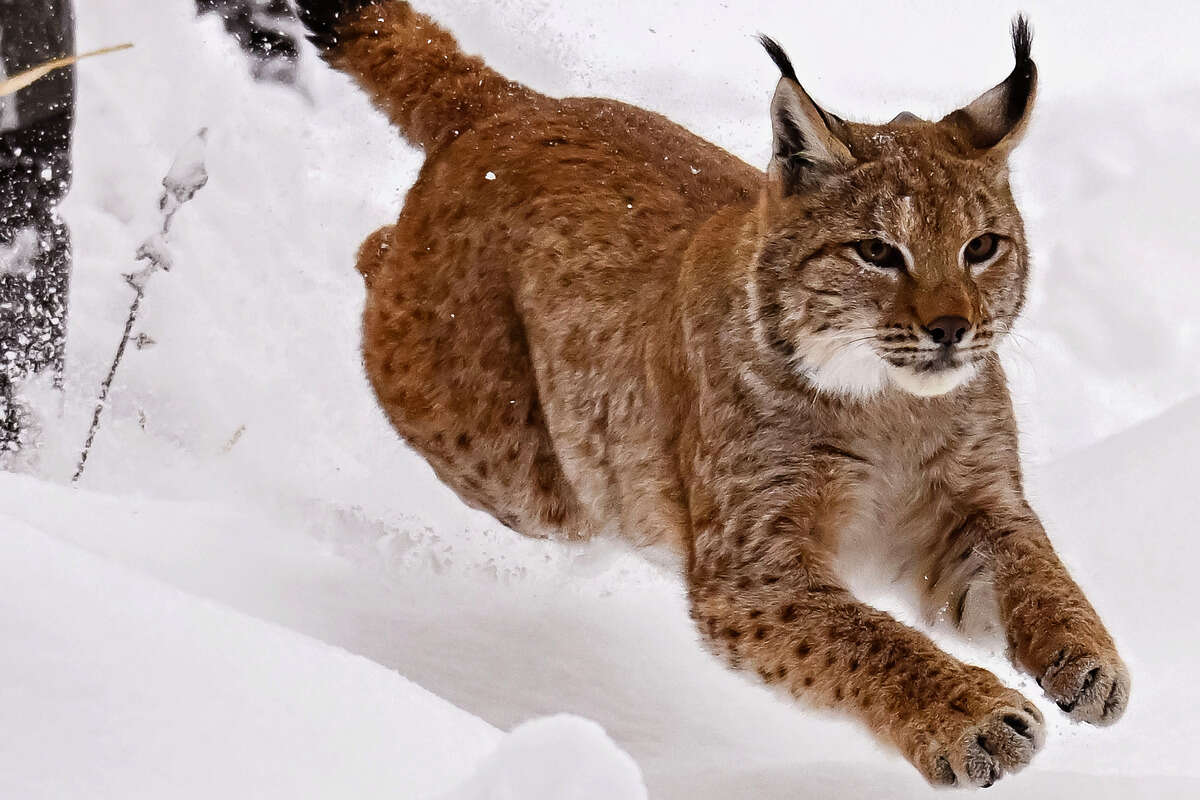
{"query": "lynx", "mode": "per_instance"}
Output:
(588, 318)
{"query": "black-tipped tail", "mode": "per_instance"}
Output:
(779, 57)
(323, 17)
(411, 68)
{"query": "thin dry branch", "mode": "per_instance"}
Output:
(186, 176)
(22, 79)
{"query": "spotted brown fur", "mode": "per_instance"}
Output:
(586, 316)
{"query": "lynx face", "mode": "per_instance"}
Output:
(904, 270)
(893, 254)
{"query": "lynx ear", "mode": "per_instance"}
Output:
(806, 144)
(997, 119)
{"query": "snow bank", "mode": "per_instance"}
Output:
(114, 685)
(563, 757)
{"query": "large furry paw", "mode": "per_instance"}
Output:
(995, 737)
(1090, 686)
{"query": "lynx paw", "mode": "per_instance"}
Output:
(1091, 688)
(979, 753)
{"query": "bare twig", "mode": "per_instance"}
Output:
(22, 79)
(233, 440)
(186, 177)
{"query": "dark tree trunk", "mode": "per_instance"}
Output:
(35, 173)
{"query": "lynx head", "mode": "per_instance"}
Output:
(891, 255)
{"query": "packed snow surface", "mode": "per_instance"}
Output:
(117, 685)
(256, 590)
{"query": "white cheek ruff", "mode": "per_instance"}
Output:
(837, 364)
(932, 384)
(842, 364)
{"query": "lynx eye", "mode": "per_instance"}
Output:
(879, 253)
(981, 248)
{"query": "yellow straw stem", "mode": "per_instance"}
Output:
(19, 81)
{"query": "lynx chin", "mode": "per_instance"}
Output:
(586, 317)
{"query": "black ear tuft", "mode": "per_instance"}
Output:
(1022, 36)
(1001, 114)
(779, 57)
(324, 17)
(1024, 72)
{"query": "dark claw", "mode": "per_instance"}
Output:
(1088, 680)
(1109, 702)
(945, 773)
(1017, 724)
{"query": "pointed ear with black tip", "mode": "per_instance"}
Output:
(997, 119)
(807, 145)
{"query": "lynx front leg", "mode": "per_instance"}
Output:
(1052, 630)
(773, 608)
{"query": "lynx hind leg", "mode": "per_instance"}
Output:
(446, 355)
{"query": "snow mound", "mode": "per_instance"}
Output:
(146, 690)
(114, 685)
(561, 757)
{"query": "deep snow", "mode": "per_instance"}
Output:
(116, 685)
(247, 519)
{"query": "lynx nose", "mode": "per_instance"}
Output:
(948, 330)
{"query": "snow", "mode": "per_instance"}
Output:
(255, 588)
(186, 176)
(124, 686)
(15, 257)
(562, 757)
